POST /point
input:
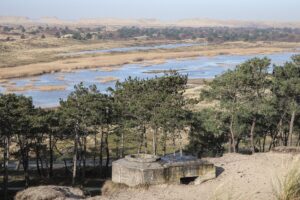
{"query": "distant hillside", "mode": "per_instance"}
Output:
(14, 20)
(235, 23)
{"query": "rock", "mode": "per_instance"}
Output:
(50, 192)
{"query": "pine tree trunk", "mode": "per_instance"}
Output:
(79, 162)
(298, 141)
(264, 142)
(42, 166)
(25, 167)
(165, 145)
(66, 167)
(37, 158)
(107, 147)
(122, 144)
(145, 140)
(174, 145)
(252, 135)
(154, 141)
(229, 143)
(5, 159)
(84, 157)
(280, 132)
(75, 158)
(141, 139)
(51, 156)
(101, 150)
(232, 143)
(237, 144)
(24, 156)
(180, 144)
(259, 144)
(95, 148)
(46, 164)
(273, 136)
(291, 128)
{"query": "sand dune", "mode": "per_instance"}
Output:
(241, 177)
(146, 22)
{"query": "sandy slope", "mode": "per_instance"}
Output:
(242, 177)
(146, 22)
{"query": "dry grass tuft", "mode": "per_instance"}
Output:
(50, 193)
(35, 88)
(288, 188)
(110, 188)
(284, 149)
(142, 186)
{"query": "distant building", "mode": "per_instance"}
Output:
(67, 36)
(143, 37)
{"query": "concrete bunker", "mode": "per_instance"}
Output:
(146, 169)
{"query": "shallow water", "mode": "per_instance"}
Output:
(202, 67)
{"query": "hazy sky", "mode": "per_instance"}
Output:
(283, 10)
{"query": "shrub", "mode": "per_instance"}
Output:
(110, 187)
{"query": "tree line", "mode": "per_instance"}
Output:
(258, 105)
(255, 106)
(211, 34)
(89, 120)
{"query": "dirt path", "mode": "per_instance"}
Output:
(241, 177)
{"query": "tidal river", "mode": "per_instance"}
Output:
(201, 67)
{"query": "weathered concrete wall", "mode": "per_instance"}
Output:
(137, 173)
(197, 168)
(129, 176)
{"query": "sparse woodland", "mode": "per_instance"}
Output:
(256, 109)
(211, 34)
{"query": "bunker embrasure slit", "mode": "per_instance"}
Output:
(188, 180)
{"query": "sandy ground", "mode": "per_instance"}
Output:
(107, 79)
(12, 89)
(241, 177)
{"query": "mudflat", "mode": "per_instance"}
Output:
(48, 59)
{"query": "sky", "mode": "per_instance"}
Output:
(275, 10)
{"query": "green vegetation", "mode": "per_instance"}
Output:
(256, 105)
(135, 107)
(253, 108)
(211, 34)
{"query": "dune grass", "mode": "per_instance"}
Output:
(288, 188)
